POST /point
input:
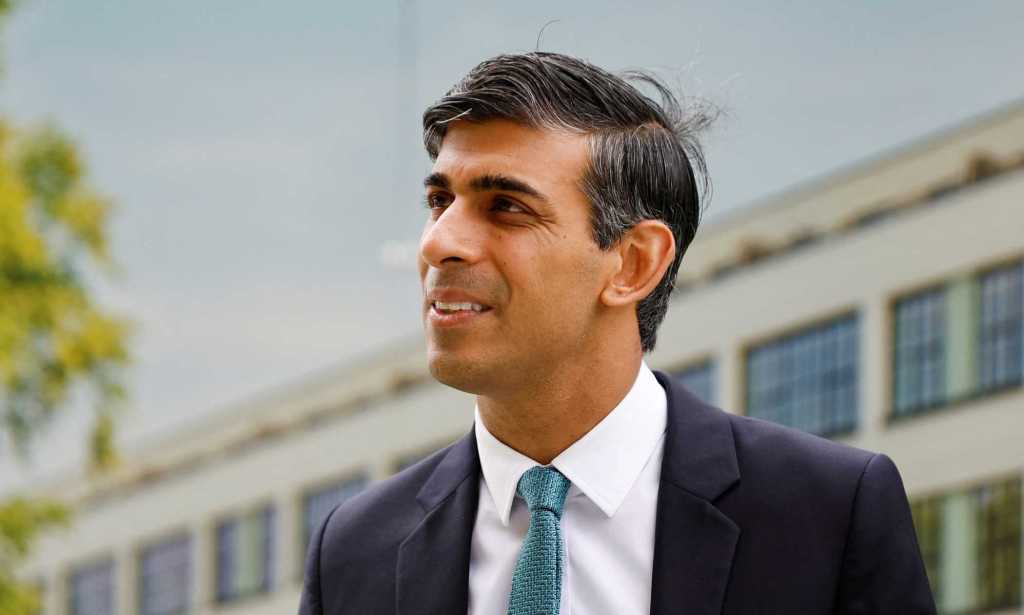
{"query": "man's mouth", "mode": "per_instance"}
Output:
(452, 307)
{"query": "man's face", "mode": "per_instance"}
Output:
(508, 230)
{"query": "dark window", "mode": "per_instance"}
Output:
(999, 545)
(1001, 327)
(91, 589)
(700, 380)
(318, 503)
(920, 352)
(245, 554)
(808, 379)
(928, 523)
(165, 577)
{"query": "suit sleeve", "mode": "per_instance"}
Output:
(311, 601)
(882, 569)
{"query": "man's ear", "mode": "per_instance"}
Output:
(646, 252)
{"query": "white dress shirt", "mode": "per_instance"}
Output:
(609, 515)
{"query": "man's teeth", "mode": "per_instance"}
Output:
(454, 307)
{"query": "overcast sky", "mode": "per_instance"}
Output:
(262, 154)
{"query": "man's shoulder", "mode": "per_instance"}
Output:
(784, 468)
(775, 447)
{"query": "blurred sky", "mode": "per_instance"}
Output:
(264, 155)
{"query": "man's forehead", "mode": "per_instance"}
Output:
(504, 148)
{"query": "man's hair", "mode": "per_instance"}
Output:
(645, 161)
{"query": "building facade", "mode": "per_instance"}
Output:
(882, 306)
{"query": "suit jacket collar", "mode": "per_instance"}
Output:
(432, 572)
(694, 541)
(700, 454)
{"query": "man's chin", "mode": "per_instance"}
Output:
(457, 370)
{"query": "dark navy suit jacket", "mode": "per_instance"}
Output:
(752, 517)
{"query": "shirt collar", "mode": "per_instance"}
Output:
(603, 464)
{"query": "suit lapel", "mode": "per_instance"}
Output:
(694, 542)
(432, 575)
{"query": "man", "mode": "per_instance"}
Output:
(560, 204)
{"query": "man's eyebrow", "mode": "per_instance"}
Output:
(506, 183)
(490, 181)
(437, 180)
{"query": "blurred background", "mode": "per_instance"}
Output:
(210, 316)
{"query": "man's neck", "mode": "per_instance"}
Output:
(546, 418)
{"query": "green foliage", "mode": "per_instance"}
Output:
(21, 522)
(53, 338)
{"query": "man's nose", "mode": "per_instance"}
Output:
(455, 236)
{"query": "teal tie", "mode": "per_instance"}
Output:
(537, 581)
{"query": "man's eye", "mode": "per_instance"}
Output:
(435, 200)
(509, 206)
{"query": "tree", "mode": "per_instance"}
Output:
(53, 337)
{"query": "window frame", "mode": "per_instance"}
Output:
(1014, 381)
(975, 274)
(932, 506)
(77, 566)
(999, 535)
(797, 329)
(140, 551)
(271, 549)
(971, 490)
(940, 288)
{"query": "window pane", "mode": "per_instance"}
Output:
(165, 577)
(928, 522)
(807, 380)
(1001, 327)
(227, 565)
(245, 554)
(999, 545)
(91, 589)
(920, 352)
(700, 380)
(250, 555)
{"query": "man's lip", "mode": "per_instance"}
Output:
(459, 318)
(453, 296)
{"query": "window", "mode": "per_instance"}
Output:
(1001, 330)
(920, 379)
(808, 379)
(91, 589)
(999, 545)
(971, 544)
(165, 576)
(699, 379)
(960, 340)
(245, 554)
(928, 523)
(318, 503)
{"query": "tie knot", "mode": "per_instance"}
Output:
(544, 488)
